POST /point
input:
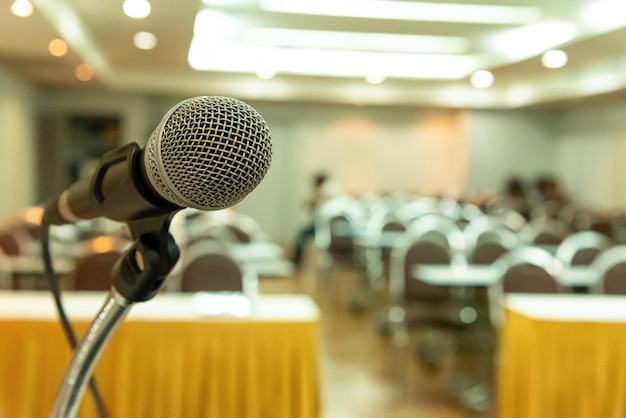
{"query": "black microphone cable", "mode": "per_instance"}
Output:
(55, 289)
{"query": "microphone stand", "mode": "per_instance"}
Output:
(136, 277)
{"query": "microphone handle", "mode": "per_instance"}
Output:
(87, 354)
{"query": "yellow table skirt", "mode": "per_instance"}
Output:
(213, 368)
(561, 369)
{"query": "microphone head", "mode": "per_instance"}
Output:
(208, 153)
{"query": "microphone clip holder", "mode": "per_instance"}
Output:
(137, 277)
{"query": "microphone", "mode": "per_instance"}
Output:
(207, 153)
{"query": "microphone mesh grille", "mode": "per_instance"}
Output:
(208, 153)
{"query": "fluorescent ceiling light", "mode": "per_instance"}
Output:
(375, 78)
(404, 10)
(230, 57)
(605, 15)
(358, 41)
(214, 24)
(530, 40)
(599, 83)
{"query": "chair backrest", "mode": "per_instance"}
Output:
(491, 245)
(487, 237)
(545, 231)
(430, 239)
(525, 269)
(581, 248)
(528, 269)
(413, 209)
(208, 267)
(338, 221)
(6, 274)
(15, 239)
(610, 270)
(93, 271)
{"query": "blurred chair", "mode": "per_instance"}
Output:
(15, 239)
(382, 229)
(440, 320)
(93, 269)
(413, 209)
(526, 269)
(6, 273)
(430, 239)
(581, 248)
(547, 233)
(468, 213)
(512, 218)
(208, 267)
(610, 269)
(338, 222)
(487, 238)
(228, 224)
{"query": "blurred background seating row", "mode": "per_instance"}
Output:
(220, 251)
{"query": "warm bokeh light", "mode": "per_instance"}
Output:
(57, 47)
(101, 244)
(22, 8)
(84, 72)
(33, 215)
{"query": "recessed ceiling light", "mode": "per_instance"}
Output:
(554, 59)
(136, 9)
(57, 47)
(604, 15)
(145, 40)
(22, 8)
(482, 79)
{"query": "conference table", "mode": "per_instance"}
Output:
(262, 258)
(463, 274)
(178, 355)
(562, 356)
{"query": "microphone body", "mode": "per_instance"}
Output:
(118, 190)
(207, 153)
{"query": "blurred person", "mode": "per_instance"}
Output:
(550, 198)
(515, 197)
(322, 188)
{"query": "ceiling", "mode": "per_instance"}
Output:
(242, 41)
